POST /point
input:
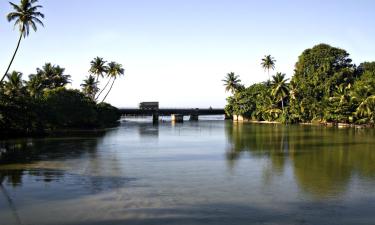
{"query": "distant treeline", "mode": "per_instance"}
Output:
(326, 87)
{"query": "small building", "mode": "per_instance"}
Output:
(149, 105)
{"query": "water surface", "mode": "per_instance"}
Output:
(206, 172)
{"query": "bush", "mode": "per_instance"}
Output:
(107, 115)
(69, 109)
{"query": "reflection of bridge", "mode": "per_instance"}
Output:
(193, 113)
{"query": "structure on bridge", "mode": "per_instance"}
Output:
(152, 109)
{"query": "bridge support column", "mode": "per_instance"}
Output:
(194, 117)
(177, 118)
(155, 118)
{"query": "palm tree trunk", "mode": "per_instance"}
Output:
(103, 89)
(14, 55)
(282, 104)
(109, 89)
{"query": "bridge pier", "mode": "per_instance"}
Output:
(155, 118)
(194, 117)
(177, 118)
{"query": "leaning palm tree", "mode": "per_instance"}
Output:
(89, 87)
(280, 89)
(115, 70)
(232, 82)
(268, 63)
(25, 16)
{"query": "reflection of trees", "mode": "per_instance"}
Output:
(323, 159)
(28, 151)
(258, 141)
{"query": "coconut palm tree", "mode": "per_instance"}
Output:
(115, 70)
(35, 86)
(268, 63)
(26, 15)
(98, 67)
(89, 87)
(53, 76)
(280, 89)
(14, 85)
(232, 82)
(367, 108)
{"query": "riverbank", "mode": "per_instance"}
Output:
(241, 119)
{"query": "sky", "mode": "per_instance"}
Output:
(178, 52)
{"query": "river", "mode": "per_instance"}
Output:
(206, 172)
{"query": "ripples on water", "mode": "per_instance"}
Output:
(206, 172)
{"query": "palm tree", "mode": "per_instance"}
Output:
(98, 67)
(367, 108)
(280, 89)
(89, 87)
(14, 85)
(232, 82)
(53, 76)
(35, 86)
(25, 15)
(268, 63)
(114, 71)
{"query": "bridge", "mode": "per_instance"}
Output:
(176, 113)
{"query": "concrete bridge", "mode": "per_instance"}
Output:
(176, 113)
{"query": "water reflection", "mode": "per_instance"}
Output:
(323, 160)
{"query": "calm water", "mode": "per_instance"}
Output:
(207, 172)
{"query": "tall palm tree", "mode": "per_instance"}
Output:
(26, 15)
(115, 70)
(268, 63)
(280, 89)
(89, 87)
(232, 82)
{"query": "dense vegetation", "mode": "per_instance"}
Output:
(326, 88)
(43, 102)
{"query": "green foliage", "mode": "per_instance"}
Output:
(69, 108)
(326, 87)
(232, 82)
(317, 74)
(107, 115)
(43, 103)
(25, 15)
(48, 77)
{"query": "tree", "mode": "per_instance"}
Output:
(115, 70)
(318, 72)
(69, 108)
(232, 82)
(268, 63)
(26, 15)
(89, 87)
(367, 109)
(48, 77)
(279, 88)
(14, 86)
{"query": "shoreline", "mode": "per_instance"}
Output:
(327, 124)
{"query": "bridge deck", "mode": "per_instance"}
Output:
(169, 111)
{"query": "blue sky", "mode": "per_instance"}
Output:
(177, 52)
